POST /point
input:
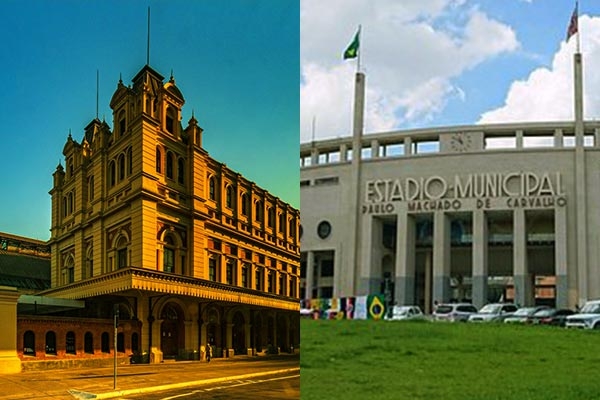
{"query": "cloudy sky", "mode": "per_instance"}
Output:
(444, 62)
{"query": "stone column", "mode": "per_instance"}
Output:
(560, 257)
(310, 270)
(522, 278)
(156, 354)
(480, 258)
(370, 277)
(441, 257)
(405, 259)
(229, 351)
(248, 339)
(9, 361)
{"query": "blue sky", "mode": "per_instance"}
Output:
(236, 63)
(445, 62)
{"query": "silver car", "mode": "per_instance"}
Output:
(454, 312)
(495, 312)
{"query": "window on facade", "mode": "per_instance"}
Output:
(180, 171)
(245, 275)
(158, 160)
(258, 211)
(271, 217)
(70, 167)
(245, 204)
(105, 344)
(270, 282)
(282, 284)
(135, 342)
(169, 165)
(229, 196)
(122, 122)
(211, 188)
(129, 161)
(29, 343)
(281, 222)
(69, 270)
(231, 272)
(293, 287)
(112, 173)
(91, 187)
(292, 228)
(122, 258)
(70, 343)
(64, 207)
(170, 121)
(212, 269)
(50, 342)
(121, 167)
(326, 268)
(88, 343)
(121, 342)
(169, 255)
(70, 203)
(259, 279)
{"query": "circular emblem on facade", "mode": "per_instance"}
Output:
(324, 229)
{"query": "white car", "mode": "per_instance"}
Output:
(404, 313)
(587, 318)
(454, 312)
(495, 312)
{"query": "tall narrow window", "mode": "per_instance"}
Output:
(180, 170)
(170, 120)
(245, 204)
(169, 165)
(70, 343)
(51, 343)
(121, 167)
(121, 342)
(259, 279)
(122, 123)
(158, 160)
(245, 275)
(281, 222)
(88, 343)
(258, 212)
(169, 255)
(231, 272)
(211, 188)
(122, 253)
(112, 173)
(129, 161)
(229, 196)
(91, 187)
(271, 218)
(212, 269)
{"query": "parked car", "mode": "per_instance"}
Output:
(551, 316)
(494, 312)
(587, 318)
(454, 312)
(523, 315)
(403, 313)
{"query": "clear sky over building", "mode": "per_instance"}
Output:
(236, 62)
(445, 62)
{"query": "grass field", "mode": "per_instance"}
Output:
(369, 360)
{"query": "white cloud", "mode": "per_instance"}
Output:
(411, 50)
(547, 93)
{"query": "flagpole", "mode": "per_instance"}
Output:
(359, 51)
(578, 30)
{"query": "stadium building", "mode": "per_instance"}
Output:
(479, 213)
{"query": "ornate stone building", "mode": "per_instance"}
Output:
(189, 251)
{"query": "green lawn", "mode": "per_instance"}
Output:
(422, 360)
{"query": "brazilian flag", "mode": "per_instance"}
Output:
(352, 50)
(375, 306)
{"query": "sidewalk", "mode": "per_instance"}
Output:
(140, 378)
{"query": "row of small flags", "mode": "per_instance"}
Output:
(359, 307)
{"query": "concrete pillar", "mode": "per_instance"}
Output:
(9, 362)
(558, 138)
(480, 258)
(407, 146)
(428, 286)
(405, 259)
(441, 257)
(310, 270)
(560, 257)
(524, 295)
(343, 152)
(372, 251)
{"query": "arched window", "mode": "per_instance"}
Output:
(121, 252)
(88, 343)
(211, 188)
(105, 345)
(281, 222)
(29, 343)
(169, 255)
(212, 269)
(245, 204)
(135, 342)
(122, 123)
(258, 211)
(170, 120)
(121, 167)
(70, 197)
(292, 227)
(229, 196)
(120, 342)
(169, 165)
(180, 170)
(64, 207)
(231, 272)
(50, 342)
(130, 161)
(112, 174)
(69, 270)
(158, 160)
(91, 187)
(271, 217)
(70, 343)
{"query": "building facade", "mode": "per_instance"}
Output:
(479, 213)
(188, 251)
